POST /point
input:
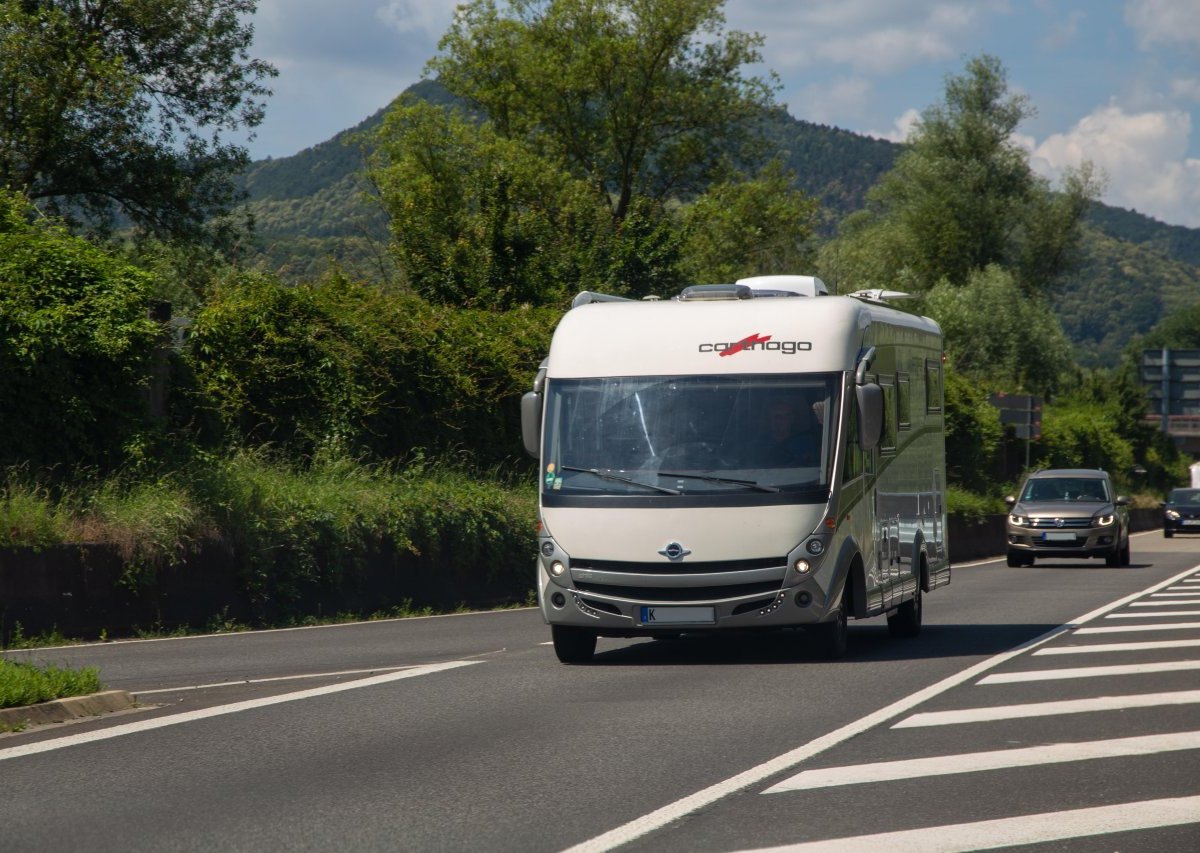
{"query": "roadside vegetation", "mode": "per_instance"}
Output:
(158, 394)
(24, 683)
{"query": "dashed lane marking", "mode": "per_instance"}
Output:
(1013, 831)
(1049, 709)
(1001, 759)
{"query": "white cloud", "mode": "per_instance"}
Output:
(902, 128)
(1164, 22)
(1143, 156)
(876, 36)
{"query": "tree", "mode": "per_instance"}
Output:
(479, 220)
(962, 196)
(749, 227)
(122, 108)
(996, 334)
(635, 97)
(76, 345)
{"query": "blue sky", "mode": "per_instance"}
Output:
(1115, 82)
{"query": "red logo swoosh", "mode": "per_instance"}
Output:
(748, 341)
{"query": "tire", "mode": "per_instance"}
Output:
(1113, 558)
(1167, 534)
(906, 621)
(1125, 557)
(573, 645)
(1017, 559)
(829, 638)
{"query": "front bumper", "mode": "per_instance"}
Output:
(1181, 525)
(1076, 542)
(564, 602)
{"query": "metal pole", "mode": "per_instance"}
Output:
(1028, 429)
(1166, 391)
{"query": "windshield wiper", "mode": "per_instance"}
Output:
(607, 474)
(713, 478)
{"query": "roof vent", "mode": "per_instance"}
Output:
(708, 292)
(785, 285)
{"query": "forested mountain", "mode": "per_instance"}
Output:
(313, 210)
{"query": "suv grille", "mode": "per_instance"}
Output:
(1066, 523)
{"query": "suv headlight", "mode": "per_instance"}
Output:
(1173, 515)
(1102, 519)
(1019, 520)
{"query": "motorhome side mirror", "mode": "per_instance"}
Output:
(870, 414)
(531, 422)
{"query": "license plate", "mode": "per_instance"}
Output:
(678, 615)
(1192, 521)
(1058, 537)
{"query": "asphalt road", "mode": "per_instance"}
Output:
(1051, 708)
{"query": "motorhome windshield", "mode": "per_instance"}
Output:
(690, 435)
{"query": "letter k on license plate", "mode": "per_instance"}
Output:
(677, 615)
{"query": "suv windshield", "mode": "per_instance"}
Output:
(654, 435)
(1046, 489)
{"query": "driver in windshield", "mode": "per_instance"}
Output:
(793, 434)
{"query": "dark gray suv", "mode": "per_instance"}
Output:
(1068, 512)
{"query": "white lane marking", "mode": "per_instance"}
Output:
(220, 710)
(1162, 626)
(671, 812)
(268, 680)
(1119, 647)
(1175, 603)
(1000, 759)
(1049, 709)
(1151, 615)
(1090, 672)
(1013, 831)
(1169, 594)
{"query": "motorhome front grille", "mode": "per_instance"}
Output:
(1060, 523)
(684, 567)
(676, 595)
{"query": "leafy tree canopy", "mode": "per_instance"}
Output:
(635, 97)
(76, 343)
(962, 196)
(122, 108)
(995, 334)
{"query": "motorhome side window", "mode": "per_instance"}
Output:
(933, 386)
(852, 466)
(660, 435)
(887, 442)
(903, 402)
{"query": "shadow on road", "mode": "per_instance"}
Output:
(867, 644)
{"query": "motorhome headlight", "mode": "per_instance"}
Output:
(815, 547)
(1173, 515)
(557, 568)
(802, 566)
(1102, 519)
(1019, 520)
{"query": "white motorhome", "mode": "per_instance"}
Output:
(666, 509)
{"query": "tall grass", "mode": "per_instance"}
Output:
(292, 527)
(27, 684)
